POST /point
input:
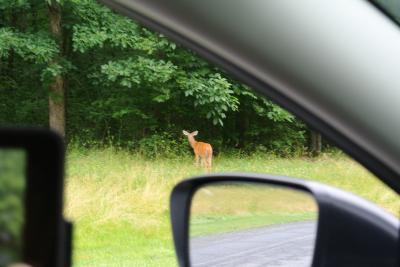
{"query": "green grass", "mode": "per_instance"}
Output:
(121, 244)
(119, 201)
(207, 225)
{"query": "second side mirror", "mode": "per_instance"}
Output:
(259, 220)
(32, 229)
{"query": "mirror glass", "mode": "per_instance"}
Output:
(12, 188)
(251, 224)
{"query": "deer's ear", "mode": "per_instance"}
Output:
(185, 133)
(195, 133)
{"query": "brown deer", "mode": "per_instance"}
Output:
(202, 151)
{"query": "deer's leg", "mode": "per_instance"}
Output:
(197, 159)
(209, 163)
(203, 161)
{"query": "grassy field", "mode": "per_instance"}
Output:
(119, 201)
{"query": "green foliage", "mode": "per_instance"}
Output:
(7, 4)
(163, 144)
(38, 48)
(273, 112)
(139, 71)
(98, 27)
(54, 69)
(212, 92)
(125, 85)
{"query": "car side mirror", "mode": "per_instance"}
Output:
(32, 229)
(261, 220)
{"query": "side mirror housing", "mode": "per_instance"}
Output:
(32, 169)
(350, 231)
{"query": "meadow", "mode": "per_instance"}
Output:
(119, 201)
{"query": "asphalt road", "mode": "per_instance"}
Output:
(286, 245)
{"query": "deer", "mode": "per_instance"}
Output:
(203, 152)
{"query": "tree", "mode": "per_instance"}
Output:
(316, 143)
(25, 52)
(57, 86)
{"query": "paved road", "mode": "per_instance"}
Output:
(287, 245)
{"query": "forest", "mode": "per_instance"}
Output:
(98, 78)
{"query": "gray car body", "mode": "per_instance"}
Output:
(334, 64)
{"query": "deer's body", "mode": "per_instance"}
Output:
(202, 151)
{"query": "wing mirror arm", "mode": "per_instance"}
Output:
(353, 231)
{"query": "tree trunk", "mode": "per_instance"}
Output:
(316, 143)
(57, 106)
(56, 88)
(242, 123)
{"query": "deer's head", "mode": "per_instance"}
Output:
(190, 134)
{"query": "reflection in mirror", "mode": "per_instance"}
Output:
(12, 188)
(251, 224)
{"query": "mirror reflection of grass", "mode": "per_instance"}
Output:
(222, 207)
(12, 185)
(207, 225)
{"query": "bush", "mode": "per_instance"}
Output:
(163, 144)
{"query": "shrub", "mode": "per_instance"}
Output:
(163, 144)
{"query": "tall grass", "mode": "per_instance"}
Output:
(119, 201)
